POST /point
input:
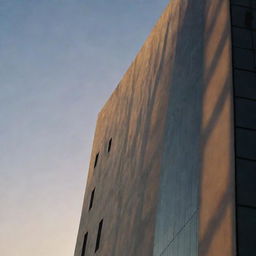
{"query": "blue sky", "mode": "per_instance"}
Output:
(59, 62)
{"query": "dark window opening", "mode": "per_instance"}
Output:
(98, 236)
(109, 145)
(84, 244)
(96, 160)
(91, 200)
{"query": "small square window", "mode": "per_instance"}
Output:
(84, 244)
(99, 236)
(109, 145)
(96, 160)
(91, 200)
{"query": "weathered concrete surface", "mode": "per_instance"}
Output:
(167, 185)
(126, 179)
(196, 204)
(217, 189)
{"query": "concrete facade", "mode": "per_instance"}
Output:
(162, 174)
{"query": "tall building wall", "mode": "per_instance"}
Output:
(165, 186)
(195, 214)
(244, 70)
(126, 179)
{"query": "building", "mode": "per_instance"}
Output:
(173, 168)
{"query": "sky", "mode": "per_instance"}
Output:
(59, 62)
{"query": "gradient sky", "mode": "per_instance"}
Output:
(59, 62)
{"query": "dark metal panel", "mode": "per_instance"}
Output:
(246, 218)
(241, 2)
(246, 182)
(243, 59)
(245, 108)
(245, 143)
(245, 113)
(242, 37)
(243, 17)
(246, 3)
(245, 84)
(254, 36)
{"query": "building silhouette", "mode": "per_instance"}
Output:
(173, 167)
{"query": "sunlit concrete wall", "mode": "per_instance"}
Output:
(195, 213)
(167, 185)
(126, 179)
